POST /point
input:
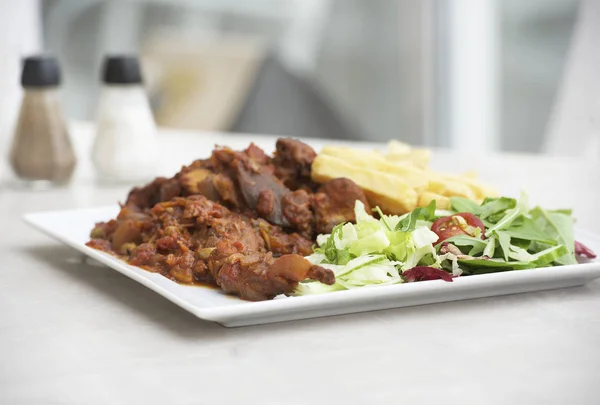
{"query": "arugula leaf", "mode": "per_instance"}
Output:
(328, 248)
(482, 266)
(460, 204)
(427, 260)
(523, 243)
(540, 259)
(491, 247)
(409, 223)
(565, 211)
(520, 255)
(512, 214)
(559, 227)
(530, 230)
(504, 240)
(493, 207)
(343, 256)
(383, 218)
(550, 255)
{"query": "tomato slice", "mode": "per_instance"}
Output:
(463, 223)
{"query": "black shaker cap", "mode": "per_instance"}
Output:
(40, 71)
(121, 69)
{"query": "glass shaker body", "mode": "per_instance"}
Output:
(125, 147)
(41, 148)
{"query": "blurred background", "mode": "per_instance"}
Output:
(481, 74)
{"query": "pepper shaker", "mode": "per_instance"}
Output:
(41, 149)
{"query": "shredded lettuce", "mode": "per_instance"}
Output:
(452, 259)
(374, 251)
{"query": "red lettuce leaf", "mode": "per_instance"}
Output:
(424, 273)
(583, 250)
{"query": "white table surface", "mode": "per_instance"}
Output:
(75, 333)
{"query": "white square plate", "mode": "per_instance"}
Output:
(73, 228)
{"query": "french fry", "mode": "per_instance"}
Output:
(389, 191)
(398, 180)
(419, 158)
(479, 189)
(400, 152)
(409, 174)
(471, 174)
(390, 205)
(345, 152)
(397, 147)
(450, 188)
(441, 202)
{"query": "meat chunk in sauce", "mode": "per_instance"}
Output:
(261, 190)
(334, 203)
(293, 160)
(161, 189)
(278, 190)
(238, 220)
(194, 239)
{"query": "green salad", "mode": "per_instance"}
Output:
(501, 234)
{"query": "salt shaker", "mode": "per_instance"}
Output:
(41, 149)
(125, 147)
